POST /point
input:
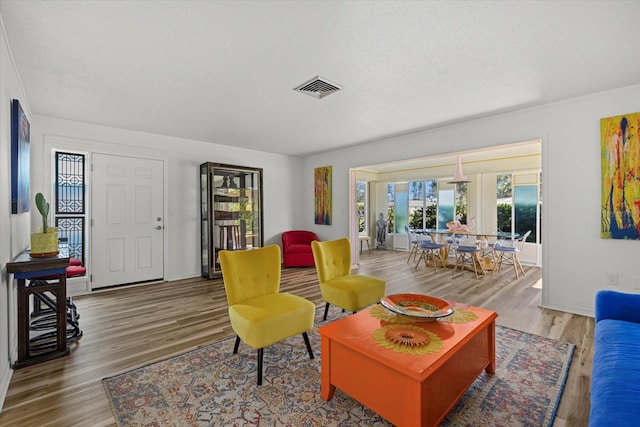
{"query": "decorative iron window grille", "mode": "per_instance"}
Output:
(70, 203)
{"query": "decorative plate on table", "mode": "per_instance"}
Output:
(417, 306)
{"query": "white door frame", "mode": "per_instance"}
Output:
(52, 143)
(139, 220)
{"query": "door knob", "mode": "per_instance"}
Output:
(158, 227)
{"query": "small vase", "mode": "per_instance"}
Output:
(44, 244)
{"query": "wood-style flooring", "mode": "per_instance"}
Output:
(129, 327)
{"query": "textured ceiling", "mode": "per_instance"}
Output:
(224, 72)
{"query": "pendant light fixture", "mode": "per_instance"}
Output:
(459, 177)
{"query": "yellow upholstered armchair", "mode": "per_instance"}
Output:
(260, 314)
(338, 286)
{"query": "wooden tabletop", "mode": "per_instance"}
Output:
(24, 263)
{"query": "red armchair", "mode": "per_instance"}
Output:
(296, 248)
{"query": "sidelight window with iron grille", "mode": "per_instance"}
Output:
(70, 195)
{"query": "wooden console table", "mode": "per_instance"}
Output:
(29, 273)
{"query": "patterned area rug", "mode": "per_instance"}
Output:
(211, 386)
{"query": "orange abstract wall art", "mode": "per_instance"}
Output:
(620, 153)
(322, 183)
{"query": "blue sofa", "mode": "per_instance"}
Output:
(615, 379)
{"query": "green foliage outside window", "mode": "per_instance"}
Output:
(361, 218)
(462, 210)
(461, 202)
(415, 221)
(504, 217)
(527, 221)
(361, 188)
(504, 186)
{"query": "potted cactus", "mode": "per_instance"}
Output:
(44, 243)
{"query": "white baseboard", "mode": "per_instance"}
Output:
(5, 379)
(568, 309)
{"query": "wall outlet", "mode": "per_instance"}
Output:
(612, 279)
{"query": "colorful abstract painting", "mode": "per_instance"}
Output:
(20, 159)
(322, 200)
(620, 151)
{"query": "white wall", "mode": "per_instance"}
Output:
(182, 159)
(14, 229)
(575, 259)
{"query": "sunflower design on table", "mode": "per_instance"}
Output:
(460, 315)
(381, 313)
(408, 339)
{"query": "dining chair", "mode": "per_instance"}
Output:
(338, 286)
(452, 241)
(414, 242)
(507, 251)
(468, 255)
(260, 314)
(431, 252)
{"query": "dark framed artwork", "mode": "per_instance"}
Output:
(19, 159)
(322, 195)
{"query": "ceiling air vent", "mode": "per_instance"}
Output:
(318, 87)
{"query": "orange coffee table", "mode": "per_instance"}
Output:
(406, 389)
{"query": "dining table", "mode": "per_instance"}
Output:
(452, 238)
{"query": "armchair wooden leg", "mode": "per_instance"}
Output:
(497, 265)
(419, 259)
(260, 357)
(413, 252)
(326, 310)
(235, 346)
(516, 264)
(306, 341)
(517, 259)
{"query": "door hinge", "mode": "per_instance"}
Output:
(90, 278)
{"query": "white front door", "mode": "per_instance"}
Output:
(127, 233)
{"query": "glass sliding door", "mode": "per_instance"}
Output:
(446, 206)
(525, 204)
(401, 211)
